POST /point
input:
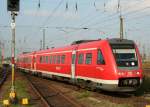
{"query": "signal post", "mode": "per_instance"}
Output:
(12, 94)
(13, 7)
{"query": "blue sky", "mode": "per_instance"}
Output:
(63, 26)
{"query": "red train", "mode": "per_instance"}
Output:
(110, 64)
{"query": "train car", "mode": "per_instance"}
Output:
(25, 61)
(110, 64)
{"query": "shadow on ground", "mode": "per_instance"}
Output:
(144, 88)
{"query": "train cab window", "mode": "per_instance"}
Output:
(100, 58)
(47, 59)
(80, 58)
(88, 58)
(63, 59)
(58, 59)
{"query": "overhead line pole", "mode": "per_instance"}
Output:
(41, 45)
(121, 28)
(43, 38)
(0, 53)
(121, 21)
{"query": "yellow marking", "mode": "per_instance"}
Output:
(147, 106)
(6, 102)
(25, 101)
(12, 94)
(13, 74)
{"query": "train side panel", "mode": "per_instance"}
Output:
(104, 70)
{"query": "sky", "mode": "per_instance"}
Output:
(64, 22)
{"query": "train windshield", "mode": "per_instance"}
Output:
(126, 57)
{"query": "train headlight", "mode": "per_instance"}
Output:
(133, 63)
(137, 73)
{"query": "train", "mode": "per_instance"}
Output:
(106, 64)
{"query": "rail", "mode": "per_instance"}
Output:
(43, 99)
(49, 94)
(3, 75)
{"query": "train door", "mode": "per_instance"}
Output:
(73, 64)
(34, 62)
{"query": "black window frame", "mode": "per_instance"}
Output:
(63, 57)
(40, 59)
(102, 60)
(87, 58)
(54, 59)
(43, 59)
(73, 58)
(81, 58)
(46, 59)
(50, 59)
(58, 59)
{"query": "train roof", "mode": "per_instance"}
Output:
(120, 41)
(82, 41)
(84, 44)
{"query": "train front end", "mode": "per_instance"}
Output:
(128, 64)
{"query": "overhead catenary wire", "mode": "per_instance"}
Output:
(48, 17)
(136, 11)
(125, 14)
(52, 13)
(115, 14)
(102, 23)
(33, 23)
(61, 38)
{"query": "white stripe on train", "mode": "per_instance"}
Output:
(77, 77)
(62, 52)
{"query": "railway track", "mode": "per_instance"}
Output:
(3, 75)
(50, 95)
(53, 96)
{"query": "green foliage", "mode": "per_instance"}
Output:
(84, 94)
(21, 91)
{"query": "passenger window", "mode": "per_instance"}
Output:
(47, 59)
(54, 59)
(88, 58)
(100, 58)
(73, 58)
(50, 59)
(58, 59)
(43, 59)
(63, 59)
(80, 58)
